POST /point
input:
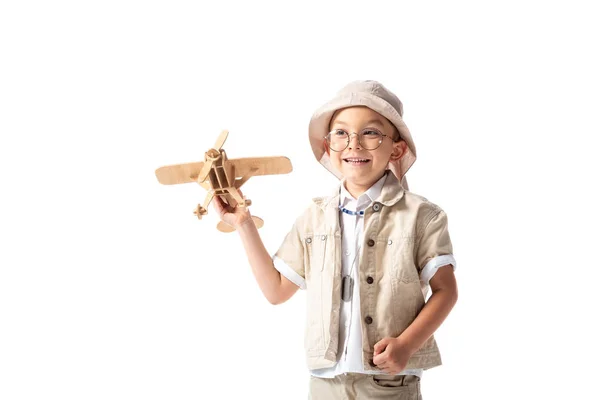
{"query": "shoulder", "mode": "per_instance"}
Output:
(312, 212)
(320, 201)
(420, 203)
(424, 209)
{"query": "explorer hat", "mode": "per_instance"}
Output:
(378, 98)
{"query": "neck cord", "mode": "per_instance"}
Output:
(350, 212)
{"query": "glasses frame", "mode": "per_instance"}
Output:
(349, 139)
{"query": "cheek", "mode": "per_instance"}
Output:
(381, 160)
(384, 154)
(335, 157)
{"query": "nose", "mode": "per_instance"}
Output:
(353, 144)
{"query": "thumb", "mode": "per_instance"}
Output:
(217, 205)
(381, 345)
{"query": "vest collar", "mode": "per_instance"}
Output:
(391, 193)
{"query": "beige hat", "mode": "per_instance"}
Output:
(379, 99)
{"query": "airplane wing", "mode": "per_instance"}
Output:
(180, 173)
(261, 166)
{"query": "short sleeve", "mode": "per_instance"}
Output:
(435, 247)
(289, 258)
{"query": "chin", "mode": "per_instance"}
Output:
(361, 178)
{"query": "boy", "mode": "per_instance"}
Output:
(366, 256)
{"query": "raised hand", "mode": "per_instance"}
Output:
(234, 216)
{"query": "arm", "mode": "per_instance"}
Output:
(392, 354)
(276, 288)
(435, 242)
(443, 298)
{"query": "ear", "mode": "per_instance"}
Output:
(325, 146)
(400, 149)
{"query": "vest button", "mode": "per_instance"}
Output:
(368, 320)
(371, 243)
(308, 240)
(376, 207)
(369, 280)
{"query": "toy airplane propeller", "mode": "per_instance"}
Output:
(223, 177)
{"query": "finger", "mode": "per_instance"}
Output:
(390, 366)
(217, 204)
(386, 366)
(387, 369)
(376, 359)
(381, 345)
(379, 360)
(376, 350)
(223, 208)
(227, 208)
(380, 348)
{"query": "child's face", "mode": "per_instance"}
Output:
(370, 164)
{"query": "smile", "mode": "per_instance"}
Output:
(356, 161)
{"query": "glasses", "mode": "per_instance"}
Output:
(369, 139)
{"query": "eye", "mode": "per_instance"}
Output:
(371, 133)
(339, 132)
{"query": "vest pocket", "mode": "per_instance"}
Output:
(398, 266)
(315, 247)
(400, 259)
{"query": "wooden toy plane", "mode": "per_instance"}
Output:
(223, 177)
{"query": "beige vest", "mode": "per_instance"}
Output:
(402, 232)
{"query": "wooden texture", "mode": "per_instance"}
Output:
(180, 173)
(187, 173)
(263, 166)
(223, 177)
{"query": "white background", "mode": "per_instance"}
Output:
(111, 289)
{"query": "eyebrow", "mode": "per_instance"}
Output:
(372, 121)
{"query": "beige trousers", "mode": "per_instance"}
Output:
(363, 386)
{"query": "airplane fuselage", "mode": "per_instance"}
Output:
(222, 179)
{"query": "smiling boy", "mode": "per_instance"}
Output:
(366, 256)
